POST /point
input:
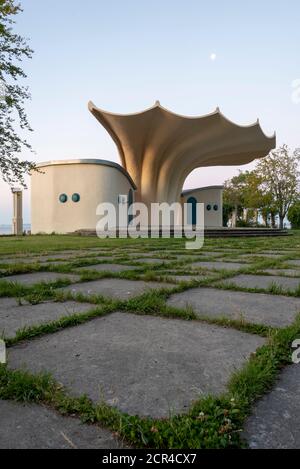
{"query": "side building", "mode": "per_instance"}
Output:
(212, 198)
(66, 193)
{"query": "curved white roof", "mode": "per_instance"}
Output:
(159, 148)
(96, 161)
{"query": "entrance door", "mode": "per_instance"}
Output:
(130, 202)
(192, 211)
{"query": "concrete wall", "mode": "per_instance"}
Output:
(210, 196)
(95, 183)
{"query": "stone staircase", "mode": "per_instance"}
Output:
(219, 232)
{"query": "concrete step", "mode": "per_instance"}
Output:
(219, 232)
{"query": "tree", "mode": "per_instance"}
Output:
(13, 119)
(242, 193)
(227, 212)
(294, 214)
(279, 175)
(233, 197)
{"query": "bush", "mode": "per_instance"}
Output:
(244, 224)
(227, 212)
(294, 215)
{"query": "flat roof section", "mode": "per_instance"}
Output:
(187, 191)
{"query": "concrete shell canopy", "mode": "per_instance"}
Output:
(159, 148)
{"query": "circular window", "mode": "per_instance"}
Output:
(63, 198)
(208, 207)
(216, 207)
(75, 197)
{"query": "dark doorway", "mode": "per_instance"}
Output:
(130, 202)
(192, 211)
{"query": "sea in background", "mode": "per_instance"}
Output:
(7, 229)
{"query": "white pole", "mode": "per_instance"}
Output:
(17, 221)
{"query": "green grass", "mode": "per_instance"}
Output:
(30, 332)
(272, 289)
(12, 289)
(212, 421)
(34, 293)
(46, 243)
(151, 303)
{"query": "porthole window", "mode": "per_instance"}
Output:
(216, 207)
(208, 207)
(63, 198)
(75, 197)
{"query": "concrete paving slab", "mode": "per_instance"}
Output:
(100, 248)
(193, 273)
(186, 259)
(36, 277)
(271, 256)
(93, 260)
(31, 426)
(294, 262)
(264, 281)
(136, 254)
(141, 364)
(116, 288)
(86, 257)
(274, 423)
(23, 260)
(288, 272)
(210, 253)
(260, 308)
(219, 265)
(199, 253)
(277, 252)
(227, 248)
(46, 261)
(184, 278)
(14, 316)
(150, 260)
(245, 262)
(107, 267)
(179, 252)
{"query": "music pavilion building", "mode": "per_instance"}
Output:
(158, 149)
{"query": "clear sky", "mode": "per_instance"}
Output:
(191, 55)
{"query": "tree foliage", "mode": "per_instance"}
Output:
(279, 174)
(294, 214)
(270, 189)
(243, 191)
(13, 119)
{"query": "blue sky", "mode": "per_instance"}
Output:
(126, 54)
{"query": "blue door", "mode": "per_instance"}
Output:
(192, 211)
(130, 202)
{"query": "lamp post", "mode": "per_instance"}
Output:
(17, 221)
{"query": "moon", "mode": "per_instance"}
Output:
(213, 56)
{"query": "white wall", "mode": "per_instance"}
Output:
(94, 183)
(208, 196)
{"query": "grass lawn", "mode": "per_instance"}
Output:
(211, 421)
(10, 245)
